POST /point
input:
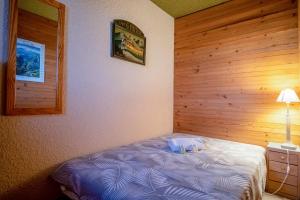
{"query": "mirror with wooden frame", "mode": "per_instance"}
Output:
(36, 58)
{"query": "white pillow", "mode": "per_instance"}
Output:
(182, 145)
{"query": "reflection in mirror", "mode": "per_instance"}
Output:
(36, 55)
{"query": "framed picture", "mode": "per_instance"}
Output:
(30, 61)
(128, 42)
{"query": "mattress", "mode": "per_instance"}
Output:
(148, 170)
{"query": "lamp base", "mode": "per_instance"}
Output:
(289, 146)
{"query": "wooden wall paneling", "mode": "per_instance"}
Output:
(228, 13)
(231, 61)
(246, 29)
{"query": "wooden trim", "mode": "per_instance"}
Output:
(60, 75)
(11, 68)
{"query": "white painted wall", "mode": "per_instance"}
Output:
(109, 102)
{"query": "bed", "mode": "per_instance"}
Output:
(148, 170)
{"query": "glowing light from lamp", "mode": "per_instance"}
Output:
(288, 96)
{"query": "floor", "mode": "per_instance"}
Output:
(268, 196)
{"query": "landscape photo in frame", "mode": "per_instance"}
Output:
(30, 61)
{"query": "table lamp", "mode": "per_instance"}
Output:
(288, 96)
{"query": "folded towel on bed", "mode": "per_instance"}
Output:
(182, 145)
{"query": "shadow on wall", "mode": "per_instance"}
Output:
(37, 188)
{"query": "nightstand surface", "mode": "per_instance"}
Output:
(277, 146)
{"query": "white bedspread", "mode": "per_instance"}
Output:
(148, 170)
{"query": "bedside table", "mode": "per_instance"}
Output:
(277, 168)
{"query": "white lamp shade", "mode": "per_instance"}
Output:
(288, 96)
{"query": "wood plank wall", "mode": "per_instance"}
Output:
(231, 61)
(42, 30)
